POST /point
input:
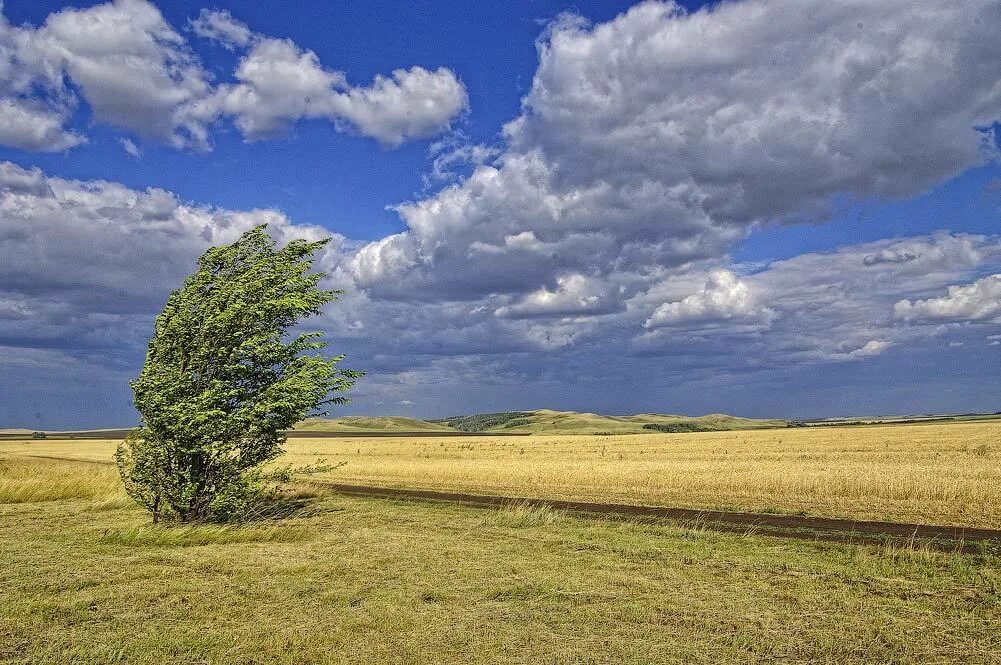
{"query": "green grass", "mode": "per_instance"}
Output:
(88, 580)
(204, 534)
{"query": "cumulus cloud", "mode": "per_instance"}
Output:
(575, 295)
(74, 281)
(280, 83)
(88, 263)
(136, 72)
(646, 149)
(823, 307)
(31, 126)
(725, 298)
(661, 138)
(979, 301)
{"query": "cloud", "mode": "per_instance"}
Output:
(823, 306)
(646, 149)
(411, 103)
(869, 349)
(220, 26)
(279, 84)
(30, 126)
(979, 301)
(724, 299)
(130, 148)
(74, 283)
(887, 256)
(87, 264)
(132, 68)
(575, 295)
(661, 138)
(137, 73)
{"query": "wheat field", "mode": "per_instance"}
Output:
(933, 473)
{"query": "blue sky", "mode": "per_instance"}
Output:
(595, 205)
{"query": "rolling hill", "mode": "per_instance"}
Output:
(546, 421)
(371, 424)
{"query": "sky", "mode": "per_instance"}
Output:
(773, 209)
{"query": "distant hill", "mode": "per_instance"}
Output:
(371, 424)
(546, 421)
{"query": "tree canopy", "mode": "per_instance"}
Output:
(223, 378)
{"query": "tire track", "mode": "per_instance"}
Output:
(965, 538)
(794, 526)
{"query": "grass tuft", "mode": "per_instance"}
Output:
(204, 534)
(525, 514)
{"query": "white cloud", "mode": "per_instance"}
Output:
(137, 73)
(867, 350)
(71, 266)
(130, 148)
(132, 68)
(279, 84)
(661, 138)
(725, 298)
(412, 103)
(979, 301)
(73, 281)
(575, 295)
(220, 26)
(30, 126)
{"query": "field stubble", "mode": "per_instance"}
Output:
(931, 473)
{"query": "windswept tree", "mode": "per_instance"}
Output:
(223, 378)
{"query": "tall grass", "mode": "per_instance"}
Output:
(525, 514)
(29, 481)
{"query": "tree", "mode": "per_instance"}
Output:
(223, 379)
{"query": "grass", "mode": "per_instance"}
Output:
(30, 481)
(377, 581)
(204, 534)
(547, 421)
(931, 473)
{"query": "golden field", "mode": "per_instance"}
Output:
(86, 578)
(945, 473)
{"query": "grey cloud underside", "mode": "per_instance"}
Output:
(75, 281)
(139, 74)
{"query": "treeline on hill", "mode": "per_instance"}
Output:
(675, 428)
(484, 421)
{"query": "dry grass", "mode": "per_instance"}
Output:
(947, 473)
(523, 514)
(934, 473)
(30, 481)
(382, 581)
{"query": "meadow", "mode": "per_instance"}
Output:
(941, 473)
(85, 577)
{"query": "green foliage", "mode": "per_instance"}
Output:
(222, 379)
(484, 421)
(39, 435)
(678, 427)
